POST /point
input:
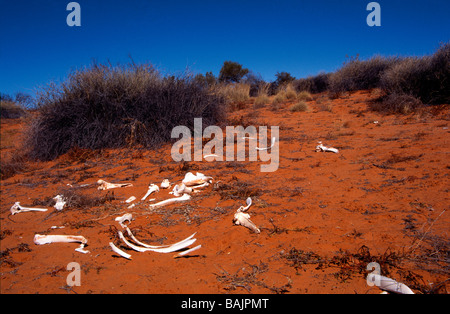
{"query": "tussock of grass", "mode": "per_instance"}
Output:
(299, 107)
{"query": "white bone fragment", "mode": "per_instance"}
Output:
(243, 219)
(119, 251)
(244, 208)
(188, 251)
(16, 208)
(130, 199)
(388, 284)
(182, 198)
(123, 218)
(130, 234)
(180, 189)
(40, 239)
(190, 179)
(106, 185)
(169, 249)
(322, 148)
(131, 206)
(165, 184)
(266, 148)
(60, 202)
(151, 188)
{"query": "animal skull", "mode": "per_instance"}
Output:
(322, 148)
(106, 185)
(243, 219)
(60, 202)
(190, 179)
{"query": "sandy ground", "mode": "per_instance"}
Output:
(323, 216)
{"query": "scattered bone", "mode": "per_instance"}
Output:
(188, 251)
(46, 239)
(16, 208)
(130, 199)
(182, 198)
(266, 148)
(190, 179)
(180, 189)
(119, 251)
(106, 185)
(243, 219)
(388, 284)
(122, 219)
(130, 234)
(151, 188)
(322, 148)
(60, 202)
(174, 247)
(165, 184)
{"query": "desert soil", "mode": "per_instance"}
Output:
(323, 216)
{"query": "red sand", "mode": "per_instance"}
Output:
(387, 190)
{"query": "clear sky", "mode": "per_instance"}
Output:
(302, 37)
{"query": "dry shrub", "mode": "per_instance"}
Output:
(11, 110)
(107, 106)
(304, 96)
(236, 94)
(299, 107)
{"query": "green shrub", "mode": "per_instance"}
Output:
(106, 106)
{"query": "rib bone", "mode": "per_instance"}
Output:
(119, 251)
(182, 198)
(188, 251)
(151, 188)
(169, 249)
(16, 208)
(130, 234)
(40, 239)
(106, 185)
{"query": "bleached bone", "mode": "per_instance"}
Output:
(188, 251)
(122, 219)
(130, 199)
(60, 202)
(180, 189)
(165, 184)
(190, 179)
(130, 234)
(151, 188)
(243, 219)
(388, 284)
(16, 208)
(266, 148)
(182, 198)
(322, 148)
(169, 249)
(46, 239)
(119, 251)
(106, 185)
(244, 208)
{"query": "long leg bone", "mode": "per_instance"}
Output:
(40, 239)
(16, 208)
(182, 198)
(119, 251)
(151, 188)
(103, 185)
(388, 284)
(322, 148)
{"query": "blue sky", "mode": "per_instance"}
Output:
(299, 37)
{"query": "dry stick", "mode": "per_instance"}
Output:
(420, 240)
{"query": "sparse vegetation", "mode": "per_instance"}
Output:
(299, 107)
(107, 106)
